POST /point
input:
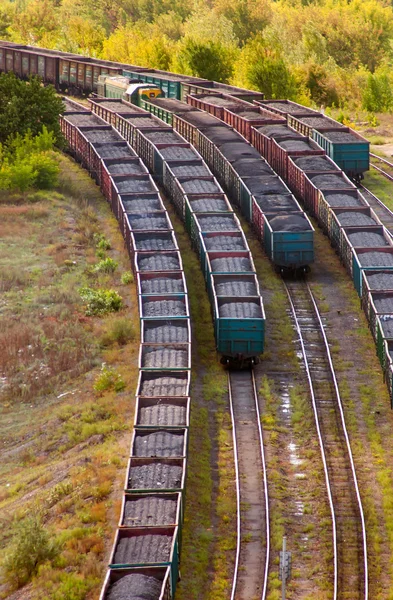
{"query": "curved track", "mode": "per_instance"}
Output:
(350, 567)
(381, 210)
(253, 534)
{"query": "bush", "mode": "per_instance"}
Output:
(106, 265)
(108, 379)
(100, 301)
(32, 547)
(120, 330)
(127, 278)
(101, 242)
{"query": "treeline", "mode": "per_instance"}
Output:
(325, 52)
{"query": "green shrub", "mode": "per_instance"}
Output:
(101, 242)
(32, 546)
(100, 301)
(106, 265)
(108, 379)
(120, 330)
(127, 278)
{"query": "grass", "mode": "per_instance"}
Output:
(63, 452)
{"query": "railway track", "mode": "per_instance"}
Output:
(253, 535)
(350, 567)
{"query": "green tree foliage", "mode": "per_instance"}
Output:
(31, 547)
(378, 94)
(28, 107)
(208, 60)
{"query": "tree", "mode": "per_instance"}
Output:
(378, 94)
(208, 60)
(27, 106)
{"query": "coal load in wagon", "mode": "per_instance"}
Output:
(103, 136)
(141, 549)
(147, 222)
(126, 168)
(191, 170)
(218, 101)
(140, 122)
(178, 153)
(165, 358)
(320, 122)
(106, 151)
(383, 305)
(295, 145)
(135, 587)
(174, 106)
(141, 204)
(209, 205)
(275, 131)
(249, 115)
(158, 262)
(85, 120)
(314, 163)
(220, 135)
(285, 107)
(248, 167)
(162, 444)
(235, 151)
(387, 327)
(224, 243)
(165, 333)
(290, 223)
(149, 511)
(155, 476)
(261, 185)
(163, 386)
(343, 137)
(240, 310)
(273, 203)
(330, 181)
(163, 414)
(162, 285)
(216, 223)
(235, 287)
(200, 186)
(163, 137)
(134, 185)
(118, 107)
(203, 120)
(376, 259)
(231, 264)
(343, 200)
(154, 242)
(353, 218)
(366, 239)
(164, 308)
(380, 281)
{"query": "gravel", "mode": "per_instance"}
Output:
(353, 218)
(165, 332)
(314, 163)
(290, 223)
(383, 305)
(217, 223)
(295, 145)
(135, 587)
(162, 285)
(159, 443)
(154, 241)
(163, 414)
(149, 511)
(331, 181)
(148, 223)
(277, 202)
(231, 264)
(238, 287)
(191, 170)
(265, 184)
(343, 200)
(178, 153)
(225, 243)
(158, 262)
(163, 308)
(209, 205)
(140, 549)
(201, 186)
(240, 310)
(247, 167)
(162, 385)
(120, 150)
(132, 185)
(102, 136)
(142, 205)
(380, 281)
(155, 476)
(343, 137)
(387, 327)
(366, 239)
(126, 168)
(376, 259)
(163, 137)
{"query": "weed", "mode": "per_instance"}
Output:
(127, 278)
(106, 265)
(101, 242)
(120, 331)
(100, 301)
(108, 379)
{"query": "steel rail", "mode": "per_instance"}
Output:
(384, 160)
(381, 204)
(347, 441)
(265, 487)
